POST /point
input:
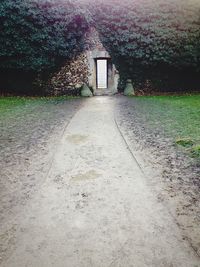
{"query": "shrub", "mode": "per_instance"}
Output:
(37, 35)
(157, 40)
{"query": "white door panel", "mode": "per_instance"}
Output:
(101, 73)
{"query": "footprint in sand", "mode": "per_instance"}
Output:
(90, 175)
(77, 138)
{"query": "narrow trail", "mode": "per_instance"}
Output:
(95, 207)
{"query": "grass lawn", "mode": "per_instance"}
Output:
(14, 104)
(26, 122)
(177, 116)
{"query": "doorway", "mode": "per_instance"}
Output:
(102, 73)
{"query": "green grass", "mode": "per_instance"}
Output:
(177, 116)
(13, 104)
(195, 151)
(185, 142)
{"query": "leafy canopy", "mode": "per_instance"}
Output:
(38, 34)
(149, 33)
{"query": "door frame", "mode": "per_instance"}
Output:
(107, 60)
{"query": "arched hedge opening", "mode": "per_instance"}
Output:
(156, 43)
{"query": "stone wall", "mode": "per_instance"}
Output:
(81, 69)
(71, 76)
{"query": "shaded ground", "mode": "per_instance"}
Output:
(29, 133)
(151, 126)
(72, 195)
(95, 208)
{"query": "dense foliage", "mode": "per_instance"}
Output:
(38, 34)
(148, 39)
(145, 37)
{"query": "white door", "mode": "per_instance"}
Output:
(102, 73)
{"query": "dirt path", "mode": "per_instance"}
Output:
(171, 173)
(95, 207)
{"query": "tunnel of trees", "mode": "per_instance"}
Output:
(148, 40)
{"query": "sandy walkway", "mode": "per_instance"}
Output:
(95, 208)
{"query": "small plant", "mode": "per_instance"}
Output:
(185, 142)
(196, 151)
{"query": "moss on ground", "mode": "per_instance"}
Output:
(195, 151)
(176, 117)
(185, 142)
